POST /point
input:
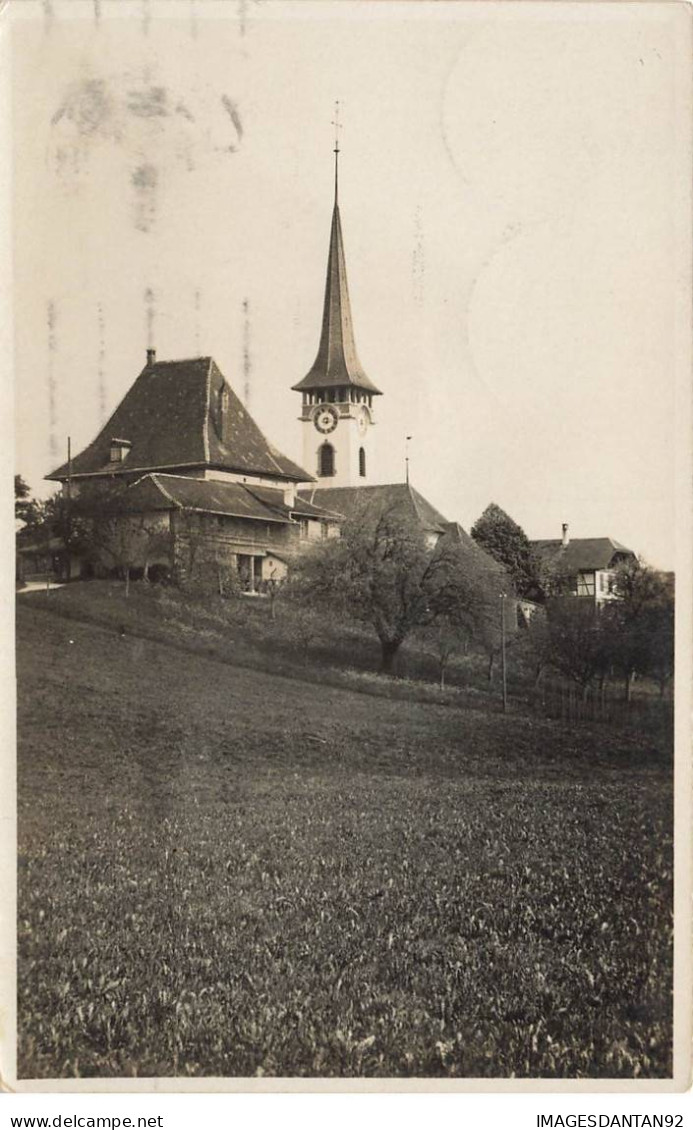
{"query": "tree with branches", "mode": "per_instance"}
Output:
(641, 624)
(111, 536)
(502, 538)
(579, 643)
(377, 572)
(384, 572)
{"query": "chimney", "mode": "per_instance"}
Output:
(564, 534)
(151, 356)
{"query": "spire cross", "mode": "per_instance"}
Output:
(337, 126)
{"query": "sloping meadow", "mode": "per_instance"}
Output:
(227, 872)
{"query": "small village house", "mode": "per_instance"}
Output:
(582, 567)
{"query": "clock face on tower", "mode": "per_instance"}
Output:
(326, 418)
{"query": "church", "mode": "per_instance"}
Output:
(198, 475)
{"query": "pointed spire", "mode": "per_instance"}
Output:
(337, 128)
(337, 363)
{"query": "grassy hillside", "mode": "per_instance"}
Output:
(243, 631)
(224, 871)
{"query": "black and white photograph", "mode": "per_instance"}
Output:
(350, 348)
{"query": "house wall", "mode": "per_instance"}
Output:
(204, 541)
(288, 489)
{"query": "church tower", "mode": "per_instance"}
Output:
(337, 411)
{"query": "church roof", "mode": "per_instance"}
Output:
(209, 496)
(337, 362)
(172, 418)
(456, 535)
(581, 554)
(388, 496)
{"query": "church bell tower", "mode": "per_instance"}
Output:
(337, 411)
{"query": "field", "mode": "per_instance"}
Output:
(227, 871)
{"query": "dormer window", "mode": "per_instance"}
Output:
(221, 412)
(119, 450)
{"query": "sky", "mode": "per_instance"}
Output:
(514, 202)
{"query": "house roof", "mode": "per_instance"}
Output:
(388, 496)
(337, 362)
(581, 554)
(238, 500)
(455, 534)
(182, 414)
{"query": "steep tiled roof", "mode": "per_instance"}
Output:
(390, 496)
(337, 362)
(182, 414)
(455, 534)
(239, 500)
(581, 554)
(181, 492)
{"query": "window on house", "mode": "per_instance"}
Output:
(585, 584)
(362, 462)
(119, 449)
(304, 527)
(326, 461)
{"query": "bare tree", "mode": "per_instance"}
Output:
(384, 572)
(446, 639)
(579, 640)
(112, 536)
(377, 572)
(641, 624)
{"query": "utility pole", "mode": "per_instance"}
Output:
(246, 354)
(67, 533)
(503, 661)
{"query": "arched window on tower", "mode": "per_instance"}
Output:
(362, 462)
(326, 461)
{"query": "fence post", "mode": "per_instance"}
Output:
(503, 661)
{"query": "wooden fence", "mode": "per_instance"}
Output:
(568, 703)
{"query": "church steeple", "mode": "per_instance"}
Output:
(337, 364)
(337, 412)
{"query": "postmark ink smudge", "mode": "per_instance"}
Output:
(148, 102)
(102, 362)
(145, 179)
(150, 313)
(232, 111)
(51, 321)
(418, 258)
(247, 366)
(88, 106)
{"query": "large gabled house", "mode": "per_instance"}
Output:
(197, 475)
